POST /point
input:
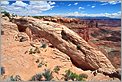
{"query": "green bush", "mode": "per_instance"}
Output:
(31, 51)
(6, 14)
(37, 61)
(48, 75)
(36, 50)
(56, 69)
(73, 76)
(16, 78)
(36, 77)
(81, 76)
(69, 75)
(42, 63)
(43, 45)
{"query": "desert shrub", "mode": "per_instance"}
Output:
(69, 75)
(31, 51)
(73, 76)
(56, 69)
(78, 47)
(2, 70)
(43, 45)
(6, 14)
(83, 75)
(16, 78)
(36, 77)
(36, 50)
(37, 61)
(42, 63)
(13, 15)
(47, 74)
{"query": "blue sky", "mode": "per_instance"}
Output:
(64, 8)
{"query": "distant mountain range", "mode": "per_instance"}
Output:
(87, 17)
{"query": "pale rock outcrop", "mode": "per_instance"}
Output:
(5, 18)
(5, 24)
(68, 42)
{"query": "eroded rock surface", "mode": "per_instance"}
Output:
(68, 42)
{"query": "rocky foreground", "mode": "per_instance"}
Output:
(64, 48)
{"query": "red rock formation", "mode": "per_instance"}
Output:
(67, 41)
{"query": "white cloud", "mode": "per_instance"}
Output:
(75, 3)
(19, 4)
(111, 15)
(110, 2)
(34, 8)
(114, 2)
(69, 5)
(81, 8)
(104, 4)
(40, 5)
(2, 3)
(37, 3)
(92, 6)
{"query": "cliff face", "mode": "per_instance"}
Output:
(68, 42)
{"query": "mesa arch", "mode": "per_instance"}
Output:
(67, 41)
